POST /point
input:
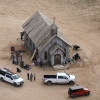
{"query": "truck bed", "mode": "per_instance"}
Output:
(50, 76)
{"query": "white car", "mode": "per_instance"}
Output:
(8, 76)
(59, 78)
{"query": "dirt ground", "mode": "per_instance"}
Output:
(78, 20)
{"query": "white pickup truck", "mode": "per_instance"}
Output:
(59, 78)
(8, 76)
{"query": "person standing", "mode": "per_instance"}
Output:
(34, 77)
(28, 76)
(41, 64)
(31, 77)
(17, 55)
(12, 55)
(22, 34)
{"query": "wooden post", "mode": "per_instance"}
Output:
(33, 54)
(17, 55)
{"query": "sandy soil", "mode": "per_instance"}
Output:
(79, 20)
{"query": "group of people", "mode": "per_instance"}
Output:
(37, 62)
(16, 56)
(30, 76)
(75, 57)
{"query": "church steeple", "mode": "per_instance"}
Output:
(54, 29)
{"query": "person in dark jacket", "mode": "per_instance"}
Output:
(34, 77)
(31, 77)
(41, 64)
(28, 76)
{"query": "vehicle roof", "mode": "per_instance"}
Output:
(75, 87)
(61, 73)
(14, 74)
(7, 71)
(4, 69)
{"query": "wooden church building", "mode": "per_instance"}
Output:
(45, 41)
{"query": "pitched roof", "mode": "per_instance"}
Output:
(54, 48)
(53, 26)
(38, 27)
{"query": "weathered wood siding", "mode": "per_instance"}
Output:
(28, 42)
(60, 43)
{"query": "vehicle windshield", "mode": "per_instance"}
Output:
(67, 74)
(15, 77)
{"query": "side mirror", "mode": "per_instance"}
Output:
(66, 78)
(11, 78)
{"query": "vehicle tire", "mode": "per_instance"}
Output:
(71, 82)
(88, 93)
(15, 84)
(75, 96)
(49, 83)
(2, 79)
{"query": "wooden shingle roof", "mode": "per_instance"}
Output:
(38, 27)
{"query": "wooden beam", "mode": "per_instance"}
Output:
(33, 54)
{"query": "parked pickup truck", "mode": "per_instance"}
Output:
(59, 78)
(8, 76)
